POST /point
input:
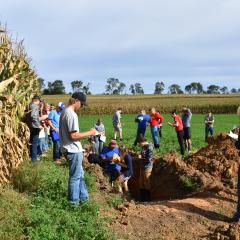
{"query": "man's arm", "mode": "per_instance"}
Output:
(75, 136)
(52, 127)
(175, 124)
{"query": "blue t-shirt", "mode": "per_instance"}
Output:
(142, 120)
(108, 153)
(54, 116)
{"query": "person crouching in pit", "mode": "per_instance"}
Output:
(127, 168)
(146, 165)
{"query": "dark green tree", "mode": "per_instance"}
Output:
(132, 89)
(76, 85)
(213, 89)
(224, 90)
(159, 87)
(56, 87)
(175, 89)
(138, 88)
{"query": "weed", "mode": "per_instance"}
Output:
(189, 183)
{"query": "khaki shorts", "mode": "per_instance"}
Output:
(144, 179)
(117, 128)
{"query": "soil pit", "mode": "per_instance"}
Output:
(212, 168)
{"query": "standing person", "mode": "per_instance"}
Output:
(186, 120)
(117, 126)
(209, 121)
(142, 120)
(72, 148)
(155, 120)
(53, 121)
(127, 168)
(46, 111)
(179, 129)
(34, 124)
(146, 165)
(99, 139)
(42, 145)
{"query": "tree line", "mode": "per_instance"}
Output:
(115, 87)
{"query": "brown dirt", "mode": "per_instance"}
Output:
(190, 218)
(179, 212)
(211, 168)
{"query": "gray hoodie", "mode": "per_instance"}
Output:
(186, 119)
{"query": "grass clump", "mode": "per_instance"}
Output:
(189, 183)
(13, 214)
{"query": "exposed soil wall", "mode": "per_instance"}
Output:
(211, 168)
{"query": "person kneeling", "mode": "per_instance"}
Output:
(146, 165)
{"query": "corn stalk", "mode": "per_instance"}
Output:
(18, 83)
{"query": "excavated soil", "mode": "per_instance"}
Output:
(193, 198)
(212, 168)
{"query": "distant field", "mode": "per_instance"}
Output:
(106, 104)
(224, 123)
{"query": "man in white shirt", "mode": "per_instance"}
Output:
(72, 148)
(117, 126)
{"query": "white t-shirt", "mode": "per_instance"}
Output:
(69, 123)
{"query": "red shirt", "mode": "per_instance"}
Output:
(156, 119)
(178, 120)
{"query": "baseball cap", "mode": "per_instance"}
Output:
(61, 105)
(36, 97)
(81, 97)
(113, 143)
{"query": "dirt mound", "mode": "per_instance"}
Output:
(102, 180)
(219, 159)
(211, 168)
(231, 232)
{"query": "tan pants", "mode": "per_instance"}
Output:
(144, 179)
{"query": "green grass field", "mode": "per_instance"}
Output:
(223, 123)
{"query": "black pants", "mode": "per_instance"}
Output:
(160, 131)
(180, 141)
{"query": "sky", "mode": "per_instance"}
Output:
(174, 41)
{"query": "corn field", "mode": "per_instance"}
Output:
(201, 104)
(17, 85)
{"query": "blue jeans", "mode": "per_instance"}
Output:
(154, 132)
(46, 140)
(42, 145)
(99, 145)
(34, 141)
(56, 150)
(77, 189)
(208, 129)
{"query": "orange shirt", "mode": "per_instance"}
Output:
(178, 120)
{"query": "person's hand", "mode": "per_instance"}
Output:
(40, 127)
(56, 130)
(139, 156)
(92, 132)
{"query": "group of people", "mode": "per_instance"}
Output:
(43, 121)
(59, 126)
(155, 120)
